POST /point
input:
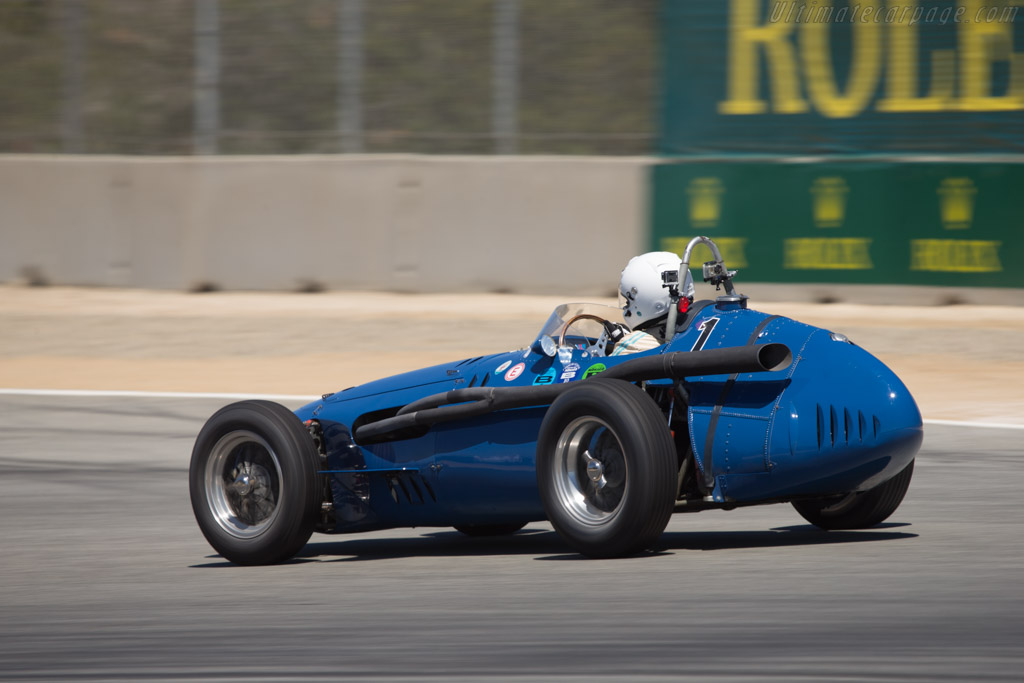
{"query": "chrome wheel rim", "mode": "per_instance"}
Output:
(590, 472)
(243, 484)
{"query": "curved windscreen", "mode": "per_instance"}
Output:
(588, 328)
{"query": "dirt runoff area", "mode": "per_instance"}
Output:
(960, 362)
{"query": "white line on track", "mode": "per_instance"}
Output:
(964, 423)
(86, 393)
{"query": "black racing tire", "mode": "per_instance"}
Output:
(254, 482)
(857, 510)
(606, 468)
(483, 530)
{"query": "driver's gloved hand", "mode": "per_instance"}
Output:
(613, 333)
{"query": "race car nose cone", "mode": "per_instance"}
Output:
(852, 423)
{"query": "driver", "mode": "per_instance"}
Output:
(644, 285)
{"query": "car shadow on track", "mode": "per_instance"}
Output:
(447, 543)
(798, 535)
(546, 545)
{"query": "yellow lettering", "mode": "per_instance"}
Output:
(901, 81)
(865, 67)
(733, 250)
(956, 203)
(705, 202)
(982, 43)
(955, 256)
(829, 207)
(746, 38)
(824, 253)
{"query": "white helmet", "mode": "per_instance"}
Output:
(642, 285)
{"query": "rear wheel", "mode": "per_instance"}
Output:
(254, 484)
(857, 510)
(606, 468)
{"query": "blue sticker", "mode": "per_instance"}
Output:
(569, 371)
(545, 378)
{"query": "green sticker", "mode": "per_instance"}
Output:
(594, 369)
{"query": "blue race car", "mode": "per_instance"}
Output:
(736, 408)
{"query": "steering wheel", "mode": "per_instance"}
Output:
(582, 316)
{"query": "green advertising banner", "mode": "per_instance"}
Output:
(870, 222)
(842, 76)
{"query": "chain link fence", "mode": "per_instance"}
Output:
(327, 76)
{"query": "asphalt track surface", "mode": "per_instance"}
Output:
(106, 577)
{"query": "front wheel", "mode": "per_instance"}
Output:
(857, 510)
(606, 468)
(254, 484)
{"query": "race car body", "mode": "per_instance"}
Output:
(738, 407)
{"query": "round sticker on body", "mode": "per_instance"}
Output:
(514, 371)
(501, 368)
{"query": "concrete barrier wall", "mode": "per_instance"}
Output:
(406, 223)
